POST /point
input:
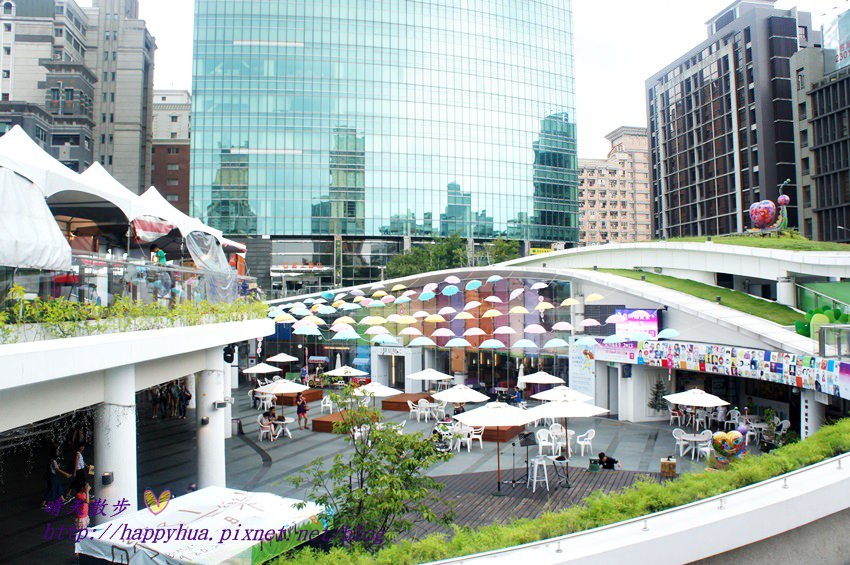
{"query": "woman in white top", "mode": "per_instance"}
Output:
(54, 481)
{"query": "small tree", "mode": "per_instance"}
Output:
(381, 485)
(505, 249)
(656, 400)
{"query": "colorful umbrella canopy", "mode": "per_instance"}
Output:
(309, 300)
(300, 312)
(408, 293)
(541, 378)
(379, 294)
(336, 328)
(504, 330)
(357, 292)
(393, 318)
(346, 335)
(338, 303)
(666, 333)
(446, 310)
(460, 393)
(377, 286)
(570, 302)
(589, 323)
(458, 342)
(472, 304)
(434, 318)
(357, 299)
(326, 310)
(561, 393)
(539, 285)
(430, 287)
(491, 344)
(524, 344)
(346, 371)
(473, 285)
(471, 332)
(595, 297)
(406, 320)
(284, 318)
(377, 330)
(282, 358)
(349, 306)
(388, 299)
(615, 339)
(587, 341)
(344, 320)
(314, 320)
(451, 279)
(307, 330)
(410, 332)
(319, 300)
(402, 300)
(262, 369)
(421, 314)
(340, 296)
(376, 304)
(450, 290)
(535, 329)
(616, 319)
(384, 340)
(421, 341)
(519, 310)
(515, 293)
(492, 314)
(398, 287)
(493, 300)
(443, 332)
(543, 306)
(328, 294)
(426, 296)
(302, 323)
(562, 327)
(464, 316)
(555, 343)
(494, 278)
(373, 321)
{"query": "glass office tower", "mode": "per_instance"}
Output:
(337, 133)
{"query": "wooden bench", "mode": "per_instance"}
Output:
(398, 403)
(288, 399)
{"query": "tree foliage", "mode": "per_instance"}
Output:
(443, 253)
(504, 250)
(381, 485)
(656, 399)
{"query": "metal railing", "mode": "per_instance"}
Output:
(808, 299)
(834, 341)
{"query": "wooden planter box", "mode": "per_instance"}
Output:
(288, 399)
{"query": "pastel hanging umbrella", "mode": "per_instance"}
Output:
(307, 330)
(315, 307)
(515, 293)
(328, 295)
(535, 329)
(338, 303)
(570, 302)
(435, 318)
(421, 314)
(302, 323)
(519, 310)
(336, 328)
(377, 286)
(373, 321)
(494, 278)
(616, 319)
(458, 342)
(473, 285)
(589, 323)
(346, 335)
(406, 320)
(615, 339)
(398, 287)
(319, 301)
(472, 332)
(300, 312)
(562, 327)
(376, 304)
(451, 279)
(393, 318)
(430, 287)
(639, 315)
(446, 310)
(377, 330)
(587, 341)
(464, 316)
(408, 293)
(349, 306)
(595, 297)
(450, 290)
(555, 343)
(504, 330)
(326, 310)
(284, 318)
(471, 305)
(388, 299)
(364, 301)
(344, 320)
(443, 332)
(421, 341)
(340, 296)
(492, 314)
(524, 344)
(357, 299)
(543, 306)
(357, 292)
(426, 296)
(402, 300)
(410, 332)
(314, 320)
(666, 333)
(309, 300)
(493, 299)
(539, 285)
(491, 344)
(384, 339)
(379, 294)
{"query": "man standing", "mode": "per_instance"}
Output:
(157, 255)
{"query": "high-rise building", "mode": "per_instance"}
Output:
(351, 118)
(45, 86)
(720, 121)
(614, 192)
(821, 79)
(122, 57)
(170, 151)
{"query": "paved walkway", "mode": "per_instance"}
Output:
(167, 457)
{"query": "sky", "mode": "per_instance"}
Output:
(618, 45)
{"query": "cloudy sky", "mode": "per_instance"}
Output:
(618, 44)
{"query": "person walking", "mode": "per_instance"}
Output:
(54, 481)
(301, 407)
(82, 497)
(185, 397)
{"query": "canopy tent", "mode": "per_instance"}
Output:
(29, 236)
(213, 510)
(163, 209)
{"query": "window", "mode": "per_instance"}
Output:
(174, 119)
(173, 135)
(804, 138)
(109, 159)
(173, 150)
(111, 118)
(172, 197)
(103, 118)
(801, 80)
(7, 27)
(7, 50)
(114, 55)
(173, 182)
(106, 36)
(7, 73)
(115, 35)
(802, 34)
(173, 167)
(103, 97)
(106, 55)
(69, 94)
(58, 32)
(105, 76)
(41, 134)
(102, 138)
(7, 8)
(112, 97)
(111, 138)
(112, 78)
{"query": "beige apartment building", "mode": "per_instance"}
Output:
(614, 192)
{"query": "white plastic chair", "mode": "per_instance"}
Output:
(327, 403)
(731, 419)
(265, 429)
(675, 415)
(477, 433)
(439, 410)
(463, 435)
(703, 447)
(782, 428)
(545, 440)
(679, 435)
(586, 440)
(424, 409)
(414, 409)
(266, 402)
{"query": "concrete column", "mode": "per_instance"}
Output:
(211, 462)
(786, 292)
(191, 381)
(812, 413)
(578, 316)
(225, 394)
(115, 438)
(234, 370)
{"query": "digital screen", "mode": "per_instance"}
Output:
(637, 321)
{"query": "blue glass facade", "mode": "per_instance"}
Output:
(379, 120)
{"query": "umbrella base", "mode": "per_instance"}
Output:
(500, 493)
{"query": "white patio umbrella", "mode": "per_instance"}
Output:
(541, 378)
(496, 415)
(282, 358)
(262, 369)
(459, 394)
(565, 410)
(561, 393)
(696, 398)
(283, 386)
(429, 375)
(339, 360)
(376, 390)
(346, 371)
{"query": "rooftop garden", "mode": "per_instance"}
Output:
(643, 498)
(740, 301)
(790, 241)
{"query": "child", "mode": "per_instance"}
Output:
(81, 508)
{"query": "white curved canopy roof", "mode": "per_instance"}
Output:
(162, 208)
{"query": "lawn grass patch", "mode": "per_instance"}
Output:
(790, 242)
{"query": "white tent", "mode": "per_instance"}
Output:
(29, 236)
(162, 208)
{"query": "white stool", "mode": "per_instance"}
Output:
(536, 464)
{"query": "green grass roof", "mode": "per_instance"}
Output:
(791, 242)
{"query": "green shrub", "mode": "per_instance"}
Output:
(599, 509)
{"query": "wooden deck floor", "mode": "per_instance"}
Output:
(474, 505)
